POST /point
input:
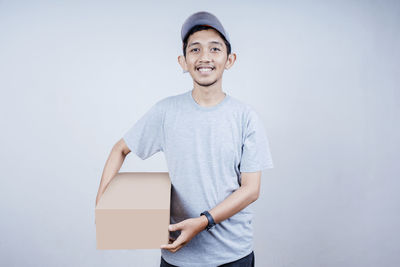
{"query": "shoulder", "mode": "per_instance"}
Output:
(169, 101)
(241, 105)
(246, 111)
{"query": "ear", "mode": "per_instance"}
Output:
(182, 62)
(230, 61)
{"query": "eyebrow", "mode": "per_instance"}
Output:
(212, 42)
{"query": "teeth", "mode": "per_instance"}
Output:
(205, 69)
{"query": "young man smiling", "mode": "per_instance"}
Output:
(215, 147)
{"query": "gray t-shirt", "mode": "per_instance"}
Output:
(206, 148)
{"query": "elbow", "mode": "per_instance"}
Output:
(253, 195)
(251, 182)
(121, 147)
(252, 192)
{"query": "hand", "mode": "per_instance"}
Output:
(97, 201)
(189, 228)
(99, 195)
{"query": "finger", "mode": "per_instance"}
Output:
(176, 249)
(175, 227)
(175, 244)
(169, 246)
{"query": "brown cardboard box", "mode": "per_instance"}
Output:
(133, 212)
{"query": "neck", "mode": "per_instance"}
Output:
(208, 95)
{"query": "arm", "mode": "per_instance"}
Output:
(247, 193)
(112, 166)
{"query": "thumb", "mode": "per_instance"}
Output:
(174, 227)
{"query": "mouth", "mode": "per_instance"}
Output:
(205, 69)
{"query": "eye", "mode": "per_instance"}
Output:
(216, 48)
(193, 49)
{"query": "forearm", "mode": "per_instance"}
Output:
(247, 193)
(234, 203)
(111, 168)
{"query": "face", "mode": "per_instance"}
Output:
(206, 57)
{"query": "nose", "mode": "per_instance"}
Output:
(204, 56)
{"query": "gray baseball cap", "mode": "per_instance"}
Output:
(203, 18)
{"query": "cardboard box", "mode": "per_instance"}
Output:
(134, 211)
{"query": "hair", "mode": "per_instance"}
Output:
(200, 28)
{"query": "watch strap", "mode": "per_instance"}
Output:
(210, 219)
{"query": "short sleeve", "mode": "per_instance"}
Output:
(256, 154)
(146, 136)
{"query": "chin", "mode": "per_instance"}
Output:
(205, 83)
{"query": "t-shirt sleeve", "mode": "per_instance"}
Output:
(146, 136)
(256, 154)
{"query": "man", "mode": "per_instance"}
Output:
(215, 147)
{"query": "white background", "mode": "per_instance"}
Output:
(323, 75)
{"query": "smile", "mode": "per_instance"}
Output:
(205, 70)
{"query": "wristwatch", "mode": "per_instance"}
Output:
(210, 219)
